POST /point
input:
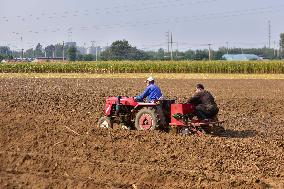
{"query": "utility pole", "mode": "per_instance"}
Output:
(171, 46)
(93, 42)
(22, 47)
(227, 47)
(269, 33)
(99, 53)
(177, 51)
(168, 40)
(274, 50)
(22, 54)
(209, 51)
(63, 51)
(96, 53)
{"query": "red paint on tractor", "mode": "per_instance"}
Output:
(180, 109)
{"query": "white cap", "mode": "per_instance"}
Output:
(150, 79)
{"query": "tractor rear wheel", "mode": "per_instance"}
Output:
(105, 122)
(146, 119)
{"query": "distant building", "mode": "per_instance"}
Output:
(93, 50)
(82, 50)
(240, 57)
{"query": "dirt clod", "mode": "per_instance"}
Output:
(49, 138)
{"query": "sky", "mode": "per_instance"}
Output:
(144, 23)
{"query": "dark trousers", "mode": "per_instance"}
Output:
(203, 113)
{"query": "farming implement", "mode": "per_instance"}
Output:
(163, 115)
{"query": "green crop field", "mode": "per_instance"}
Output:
(112, 67)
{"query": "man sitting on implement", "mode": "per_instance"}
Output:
(205, 105)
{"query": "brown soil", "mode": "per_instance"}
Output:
(49, 139)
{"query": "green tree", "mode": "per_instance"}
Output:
(156, 55)
(119, 50)
(281, 40)
(38, 50)
(136, 54)
(4, 50)
(30, 53)
(201, 55)
(161, 54)
(88, 57)
(1, 57)
(50, 49)
(189, 55)
(80, 57)
(122, 50)
(72, 53)
(59, 50)
(281, 44)
(5, 53)
(217, 55)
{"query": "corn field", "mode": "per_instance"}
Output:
(227, 67)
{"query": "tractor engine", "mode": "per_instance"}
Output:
(119, 105)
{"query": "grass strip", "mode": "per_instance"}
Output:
(143, 75)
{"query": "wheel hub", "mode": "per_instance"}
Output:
(146, 122)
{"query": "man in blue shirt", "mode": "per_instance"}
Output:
(151, 93)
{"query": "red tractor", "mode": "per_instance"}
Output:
(163, 114)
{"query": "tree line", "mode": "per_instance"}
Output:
(122, 50)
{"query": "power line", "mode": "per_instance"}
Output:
(113, 10)
(178, 19)
(221, 15)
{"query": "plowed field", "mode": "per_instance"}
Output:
(48, 137)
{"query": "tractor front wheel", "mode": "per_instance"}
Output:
(105, 122)
(146, 119)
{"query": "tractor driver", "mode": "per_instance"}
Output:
(205, 105)
(151, 93)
